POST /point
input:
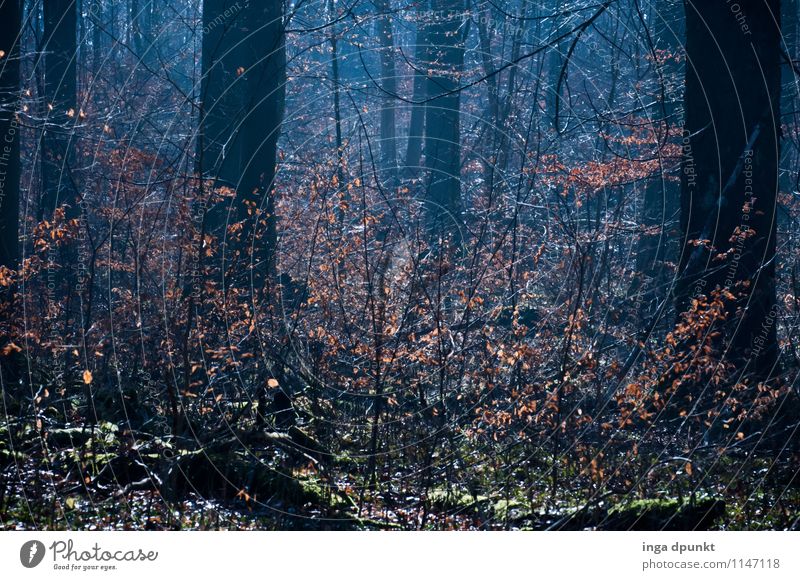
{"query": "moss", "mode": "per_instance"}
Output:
(663, 514)
(640, 507)
(453, 499)
(512, 510)
(316, 492)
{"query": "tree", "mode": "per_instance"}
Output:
(10, 23)
(9, 146)
(60, 90)
(389, 85)
(416, 126)
(243, 93)
(790, 175)
(142, 15)
(557, 57)
(443, 116)
(730, 170)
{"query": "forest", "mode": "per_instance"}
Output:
(400, 264)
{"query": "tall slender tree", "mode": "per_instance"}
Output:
(389, 85)
(60, 87)
(730, 169)
(556, 58)
(790, 172)
(243, 94)
(141, 25)
(10, 22)
(416, 125)
(443, 115)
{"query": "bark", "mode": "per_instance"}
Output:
(96, 16)
(389, 85)
(60, 85)
(555, 63)
(416, 125)
(790, 176)
(730, 169)
(443, 118)
(243, 93)
(10, 23)
(337, 106)
(142, 27)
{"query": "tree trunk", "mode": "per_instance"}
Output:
(389, 85)
(243, 92)
(10, 28)
(790, 171)
(730, 169)
(96, 16)
(556, 58)
(142, 29)
(416, 125)
(442, 121)
(60, 85)
(337, 107)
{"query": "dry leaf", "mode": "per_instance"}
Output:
(87, 377)
(11, 347)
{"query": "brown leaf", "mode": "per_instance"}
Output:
(87, 377)
(11, 347)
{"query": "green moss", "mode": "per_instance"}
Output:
(663, 514)
(640, 507)
(453, 499)
(511, 509)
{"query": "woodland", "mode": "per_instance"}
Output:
(400, 264)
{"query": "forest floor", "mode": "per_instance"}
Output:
(100, 482)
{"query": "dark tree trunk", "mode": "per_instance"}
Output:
(60, 85)
(790, 169)
(243, 92)
(389, 85)
(142, 28)
(555, 62)
(10, 22)
(730, 169)
(337, 106)
(416, 126)
(96, 16)
(443, 117)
